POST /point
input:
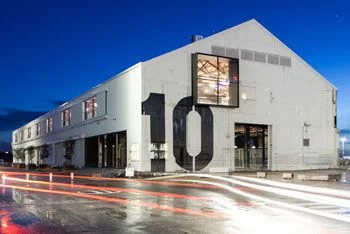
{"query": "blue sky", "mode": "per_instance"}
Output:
(51, 51)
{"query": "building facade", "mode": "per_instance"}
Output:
(237, 100)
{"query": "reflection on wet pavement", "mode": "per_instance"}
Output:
(48, 213)
(126, 207)
(14, 219)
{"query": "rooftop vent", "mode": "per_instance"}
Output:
(195, 38)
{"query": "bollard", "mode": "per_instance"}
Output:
(72, 176)
(27, 176)
(50, 177)
(287, 175)
(261, 174)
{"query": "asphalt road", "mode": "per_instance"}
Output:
(171, 205)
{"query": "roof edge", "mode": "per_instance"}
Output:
(80, 96)
(295, 54)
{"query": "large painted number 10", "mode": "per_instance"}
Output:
(155, 107)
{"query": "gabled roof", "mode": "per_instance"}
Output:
(297, 56)
(238, 27)
(75, 99)
(212, 37)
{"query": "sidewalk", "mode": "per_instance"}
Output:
(44, 170)
(104, 172)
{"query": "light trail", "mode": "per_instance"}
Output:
(267, 200)
(131, 190)
(120, 201)
(195, 185)
(312, 189)
(289, 193)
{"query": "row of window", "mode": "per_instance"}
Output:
(89, 109)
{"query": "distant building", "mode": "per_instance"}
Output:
(237, 100)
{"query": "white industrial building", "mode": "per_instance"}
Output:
(237, 100)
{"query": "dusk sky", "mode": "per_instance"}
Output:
(52, 51)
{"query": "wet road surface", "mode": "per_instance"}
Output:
(171, 205)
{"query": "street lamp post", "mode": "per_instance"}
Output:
(343, 139)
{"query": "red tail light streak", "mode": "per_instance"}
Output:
(120, 201)
(126, 190)
(167, 183)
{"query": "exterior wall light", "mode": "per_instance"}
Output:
(307, 124)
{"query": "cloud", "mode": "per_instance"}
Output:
(14, 118)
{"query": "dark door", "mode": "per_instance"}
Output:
(109, 151)
(91, 152)
(122, 150)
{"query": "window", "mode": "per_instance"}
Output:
(66, 117)
(38, 129)
(334, 96)
(306, 142)
(90, 107)
(21, 133)
(29, 130)
(49, 124)
(16, 137)
(215, 80)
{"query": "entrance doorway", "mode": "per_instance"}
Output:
(251, 147)
(122, 150)
(108, 150)
(114, 150)
(91, 152)
(109, 143)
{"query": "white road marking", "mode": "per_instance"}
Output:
(100, 192)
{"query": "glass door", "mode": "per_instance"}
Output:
(250, 147)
